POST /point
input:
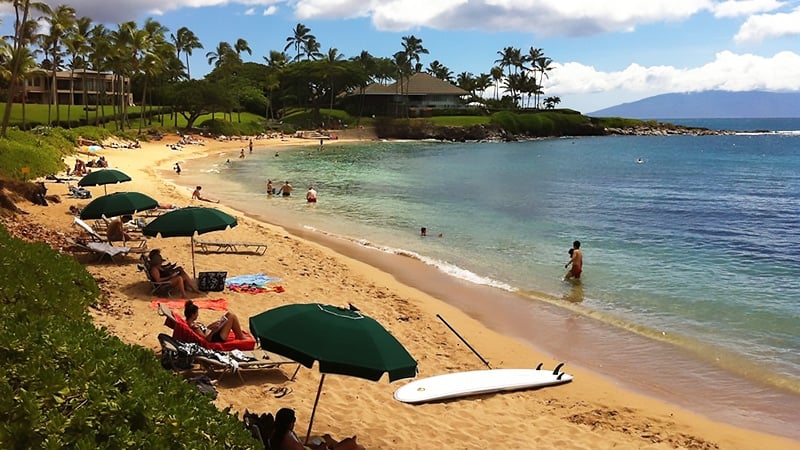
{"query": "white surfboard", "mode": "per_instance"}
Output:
(462, 384)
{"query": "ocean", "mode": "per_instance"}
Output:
(690, 242)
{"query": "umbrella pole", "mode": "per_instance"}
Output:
(194, 273)
(314, 410)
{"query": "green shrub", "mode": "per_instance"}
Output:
(66, 384)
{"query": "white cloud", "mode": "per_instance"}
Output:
(738, 8)
(759, 27)
(729, 71)
(116, 11)
(272, 9)
(544, 17)
(250, 12)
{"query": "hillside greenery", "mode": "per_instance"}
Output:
(68, 384)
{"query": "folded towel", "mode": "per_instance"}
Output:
(258, 279)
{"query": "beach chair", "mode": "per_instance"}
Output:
(156, 287)
(102, 249)
(137, 246)
(179, 355)
(231, 247)
(183, 332)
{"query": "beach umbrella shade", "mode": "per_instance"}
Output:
(343, 341)
(103, 177)
(188, 222)
(118, 204)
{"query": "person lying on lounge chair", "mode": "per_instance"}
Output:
(172, 273)
(216, 331)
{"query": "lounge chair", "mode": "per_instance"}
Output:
(183, 332)
(157, 287)
(217, 364)
(101, 249)
(231, 247)
(138, 246)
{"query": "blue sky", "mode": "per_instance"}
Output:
(604, 52)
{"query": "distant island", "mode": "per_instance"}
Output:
(709, 104)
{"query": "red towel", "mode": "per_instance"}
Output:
(218, 304)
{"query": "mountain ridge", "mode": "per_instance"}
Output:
(709, 104)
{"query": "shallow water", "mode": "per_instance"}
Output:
(692, 250)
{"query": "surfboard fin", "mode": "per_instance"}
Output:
(539, 367)
(558, 367)
(560, 375)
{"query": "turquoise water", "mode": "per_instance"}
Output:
(696, 246)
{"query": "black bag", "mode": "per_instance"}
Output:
(211, 281)
(173, 359)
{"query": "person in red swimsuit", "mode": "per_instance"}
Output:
(576, 260)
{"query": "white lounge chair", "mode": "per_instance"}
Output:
(231, 247)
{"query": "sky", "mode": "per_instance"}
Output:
(604, 52)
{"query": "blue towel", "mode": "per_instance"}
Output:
(258, 279)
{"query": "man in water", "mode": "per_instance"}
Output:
(576, 260)
(286, 189)
(311, 195)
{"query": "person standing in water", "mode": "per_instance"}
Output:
(286, 189)
(311, 195)
(270, 189)
(576, 260)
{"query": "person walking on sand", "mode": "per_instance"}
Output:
(196, 194)
(286, 189)
(177, 168)
(576, 260)
(311, 195)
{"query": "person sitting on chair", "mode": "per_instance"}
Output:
(284, 437)
(176, 276)
(116, 229)
(216, 331)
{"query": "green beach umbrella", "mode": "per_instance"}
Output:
(343, 341)
(189, 221)
(118, 204)
(103, 177)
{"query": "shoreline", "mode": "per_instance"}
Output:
(409, 278)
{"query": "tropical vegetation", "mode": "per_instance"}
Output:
(150, 65)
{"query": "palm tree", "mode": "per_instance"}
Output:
(332, 64)
(60, 19)
(301, 35)
(77, 43)
(100, 60)
(312, 49)
(275, 65)
(440, 71)
(185, 41)
(543, 65)
(24, 34)
(496, 73)
(511, 58)
(403, 69)
(551, 102)
(221, 55)
(242, 46)
(28, 68)
(412, 47)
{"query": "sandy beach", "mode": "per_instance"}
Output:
(589, 413)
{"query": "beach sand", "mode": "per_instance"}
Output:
(589, 413)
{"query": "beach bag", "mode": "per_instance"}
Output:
(211, 281)
(172, 359)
